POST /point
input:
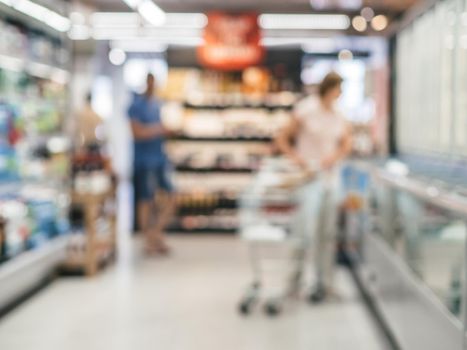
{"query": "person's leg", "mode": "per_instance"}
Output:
(165, 214)
(320, 255)
(167, 206)
(325, 247)
(144, 192)
(330, 241)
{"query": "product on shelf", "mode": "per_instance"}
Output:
(227, 122)
(31, 218)
(34, 165)
(91, 173)
(255, 87)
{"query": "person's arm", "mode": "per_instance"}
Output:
(342, 152)
(146, 131)
(282, 142)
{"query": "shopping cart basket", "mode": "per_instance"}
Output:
(276, 222)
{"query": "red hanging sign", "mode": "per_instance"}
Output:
(232, 42)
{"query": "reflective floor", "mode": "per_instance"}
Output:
(185, 302)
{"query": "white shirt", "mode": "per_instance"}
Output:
(321, 130)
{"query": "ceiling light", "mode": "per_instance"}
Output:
(77, 18)
(319, 4)
(345, 55)
(79, 32)
(139, 45)
(132, 3)
(117, 57)
(151, 12)
(40, 13)
(350, 4)
(186, 20)
(148, 10)
(115, 19)
(299, 21)
(379, 23)
(320, 45)
(367, 13)
(132, 20)
(56, 21)
(359, 23)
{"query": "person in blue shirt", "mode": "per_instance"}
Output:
(151, 168)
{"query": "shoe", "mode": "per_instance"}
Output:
(318, 295)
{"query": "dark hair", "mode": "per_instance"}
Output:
(330, 81)
(89, 97)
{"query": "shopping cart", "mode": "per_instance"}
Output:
(276, 222)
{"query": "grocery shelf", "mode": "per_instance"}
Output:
(187, 169)
(239, 106)
(27, 270)
(210, 230)
(221, 139)
(35, 69)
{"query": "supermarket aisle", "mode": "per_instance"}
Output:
(184, 303)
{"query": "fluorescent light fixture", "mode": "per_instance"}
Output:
(272, 41)
(132, 3)
(133, 20)
(309, 45)
(320, 45)
(41, 13)
(148, 10)
(186, 20)
(151, 12)
(115, 19)
(56, 21)
(167, 35)
(149, 45)
(79, 32)
(300, 21)
(77, 18)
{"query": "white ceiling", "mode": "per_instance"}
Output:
(291, 6)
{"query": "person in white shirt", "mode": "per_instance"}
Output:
(322, 139)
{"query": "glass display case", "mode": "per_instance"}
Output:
(431, 69)
(413, 258)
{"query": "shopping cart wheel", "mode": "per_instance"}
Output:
(246, 306)
(272, 308)
(317, 296)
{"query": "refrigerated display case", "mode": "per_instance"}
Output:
(34, 161)
(412, 261)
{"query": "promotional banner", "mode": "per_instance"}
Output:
(232, 42)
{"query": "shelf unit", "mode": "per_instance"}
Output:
(221, 139)
(265, 106)
(33, 110)
(185, 169)
(34, 69)
(227, 121)
(97, 250)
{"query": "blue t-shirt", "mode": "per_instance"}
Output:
(148, 153)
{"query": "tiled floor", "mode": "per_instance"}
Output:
(186, 302)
